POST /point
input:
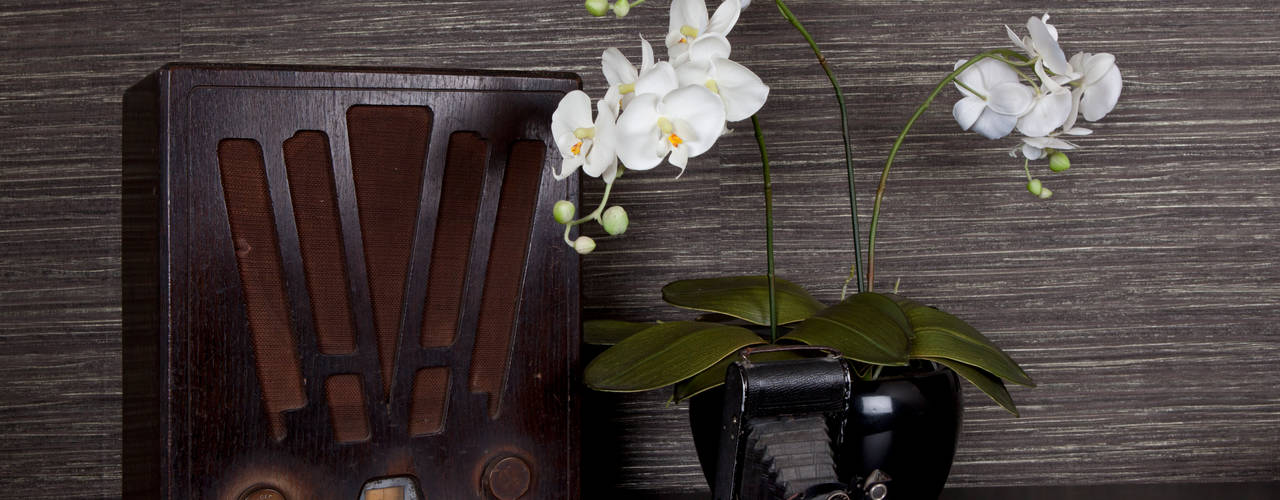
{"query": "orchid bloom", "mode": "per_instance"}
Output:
(1000, 99)
(1100, 84)
(690, 26)
(1033, 147)
(584, 142)
(622, 75)
(1042, 46)
(742, 92)
(1050, 109)
(683, 123)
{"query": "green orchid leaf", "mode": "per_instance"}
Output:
(867, 327)
(988, 383)
(610, 331)
(938, 334)
(714, 377)
(664, 354)
(743, 297)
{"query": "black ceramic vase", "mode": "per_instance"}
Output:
(904, 424)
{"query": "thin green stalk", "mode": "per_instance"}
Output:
(768, 230)
(893, 152)
(855, 273)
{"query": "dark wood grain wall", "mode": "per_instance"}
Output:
(1142, 297)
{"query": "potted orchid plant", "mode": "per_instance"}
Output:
(671, 111)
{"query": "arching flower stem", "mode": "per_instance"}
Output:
(893, 152)
(768, 230)
(855, 271)
(595, 214)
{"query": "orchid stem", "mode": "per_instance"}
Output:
(594, 215)
(855, 271)
(768, 230)
(893, 152)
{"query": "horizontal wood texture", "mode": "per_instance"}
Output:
(1141, 297)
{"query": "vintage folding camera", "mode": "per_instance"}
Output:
(783, 421)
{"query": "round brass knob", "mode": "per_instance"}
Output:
(508, 478)
(262, 493)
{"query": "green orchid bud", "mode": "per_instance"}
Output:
(1045, 193)
(1035, 187)
(1059, 162)
(614, 220)
(563, 211)
(621, 8)
(584, 245)
(597, 7)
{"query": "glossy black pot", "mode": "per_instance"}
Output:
(905, 424)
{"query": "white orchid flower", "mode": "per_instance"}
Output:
(742, 92)
(994, 112)
(622, 75)
(1050, 109)
(584, 142)
(1033, 147)
(1042, 46)
(689, 25)
(1100, 84)
(683, 123)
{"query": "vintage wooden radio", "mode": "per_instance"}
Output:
(346, 283)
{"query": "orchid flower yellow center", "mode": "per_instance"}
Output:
(626, 88)
(576, 149)
(675, 140)
(584, 132)
(711, 84)
(689, 32)
(668, 129)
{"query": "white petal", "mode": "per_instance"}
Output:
(1078, 131)
(646, 54)
(971, 77)
(660, 79)
(1046, 45)
(1032, 152)
(1070, 124)
(746, 3)
(568, 166)
(966, 111)
(1048, 112)
(617, 69)
(610, 173)
(603, 153)
(1014, 36)
(708, 47)
(994, 125)
(1097, 66)
(693, 73)
(679, 157)
(1047, 142)
(742, 92)
(1100, 98)
(637, 133)
(725, 17)
(701, 110)
(1011, 98)
(686, 13)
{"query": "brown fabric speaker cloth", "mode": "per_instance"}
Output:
(503, 278)
(315, 209)
(388, 148)
(347, 408)
(253, 231)
(459, 199)
(426, 412)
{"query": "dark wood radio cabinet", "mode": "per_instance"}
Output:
(346, 283)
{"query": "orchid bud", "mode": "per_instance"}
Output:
(1059, 162)
(563, 211)
(1035, 187)
(584, 245)
(614, 220)
(1045, 193)
(621, 8)
(597, 7)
